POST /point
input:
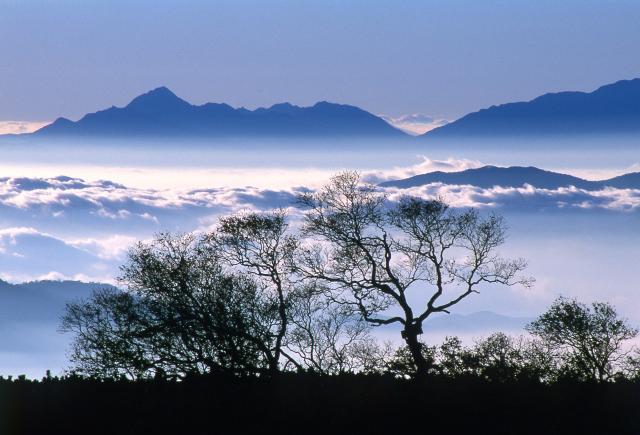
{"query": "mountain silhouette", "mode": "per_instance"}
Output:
(30, 320)
(610, 109)
(40, 301)
(515, 176)
(478, 323)
(160, 113)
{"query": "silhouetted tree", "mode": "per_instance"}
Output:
(180, 314)
(326, 337)
(631, 365)
(402, 364)
(373, 253)
(591, 338)
(370, 356)
(260, 245)
(500, 357)
(453, 358)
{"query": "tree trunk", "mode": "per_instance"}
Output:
(410, 335)
(282, 312)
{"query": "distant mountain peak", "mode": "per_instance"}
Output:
(158, 98)
(326, 104)
(515, 176)
(610, 109)
(285, 107)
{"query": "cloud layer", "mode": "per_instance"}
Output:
(425, 165)
(20, 127)
(69, 227)
(416, 123)
(528, 198)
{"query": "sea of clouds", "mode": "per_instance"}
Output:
(65, 227)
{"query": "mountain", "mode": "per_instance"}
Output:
(29, 325)
(610, 109)
(515, 176)
(477, 324)
(40, 301)
(481, 322)
(160, 113)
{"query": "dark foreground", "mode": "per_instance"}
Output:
(306, 404)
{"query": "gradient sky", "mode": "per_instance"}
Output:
(66, 58)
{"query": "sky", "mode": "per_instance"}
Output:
(442, 59)
(70, 211)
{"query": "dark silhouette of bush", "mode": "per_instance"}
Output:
(298, 403)
(589, 341)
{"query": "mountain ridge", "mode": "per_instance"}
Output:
(515, 176)
(611, 108)
(160, 112)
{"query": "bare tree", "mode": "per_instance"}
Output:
(327, 338)
(260, 244)
(374, 253)
(592, 338)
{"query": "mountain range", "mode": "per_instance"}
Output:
(30, 315)
(515, 176)
(610, 109)
(160, 113)
(613, 108)
(40, 301)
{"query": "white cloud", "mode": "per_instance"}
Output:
(71, 205)
(425, 165)
(527, 197)
(27, 254)
(108, 248)
(18, 278)
(71, 226)
(77, 210)
(416, 123)
(20, 127)
(8, 236)
(598, 173)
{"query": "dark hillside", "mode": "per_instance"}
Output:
(306, 404)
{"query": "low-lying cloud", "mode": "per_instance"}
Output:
(72, 228)
(100, 209)
(527, 197)
(415, 123)
(425, 165)
(21, 127)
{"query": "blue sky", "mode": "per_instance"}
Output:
(442, 59)
(66, 58)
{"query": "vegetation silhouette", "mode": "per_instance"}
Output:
(295, 403)
(589, 340)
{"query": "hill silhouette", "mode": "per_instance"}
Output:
(40, 301)
(160, 113)
(613, 108)
(515, 176)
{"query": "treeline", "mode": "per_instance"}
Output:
(304, 403)
(259, 296)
